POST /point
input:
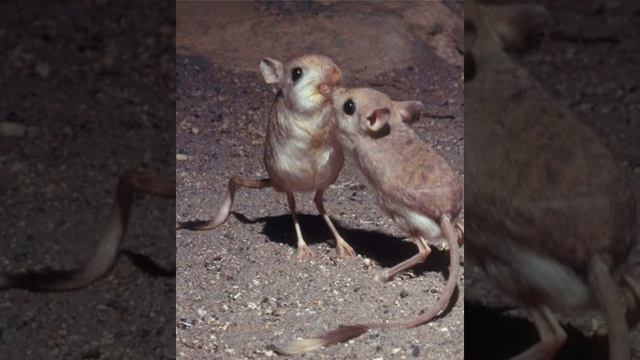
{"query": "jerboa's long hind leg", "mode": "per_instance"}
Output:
(224, 211)
(552, 336)
(606, 294)
(453, 238)
(109, 242)
(632, 292)
(459, 228)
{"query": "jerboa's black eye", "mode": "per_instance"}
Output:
(296, 74)
(349, 107)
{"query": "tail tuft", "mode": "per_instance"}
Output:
(196, 225)
(341, 334)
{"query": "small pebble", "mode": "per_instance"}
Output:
(415, 350)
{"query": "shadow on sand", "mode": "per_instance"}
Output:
(147, 265)
(486, 329)
(385, 249)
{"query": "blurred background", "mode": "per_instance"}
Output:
(588, 64)
(87, 91)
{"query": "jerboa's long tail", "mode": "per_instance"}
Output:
(224, 211)
(109, 242)
(345, 333)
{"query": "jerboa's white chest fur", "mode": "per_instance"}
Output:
(302, 153)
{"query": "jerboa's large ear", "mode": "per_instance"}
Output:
(377, 119)
(272, 70)
(409, 110)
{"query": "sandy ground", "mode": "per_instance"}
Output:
(595, 80)
(94, 86)
(240, 287)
